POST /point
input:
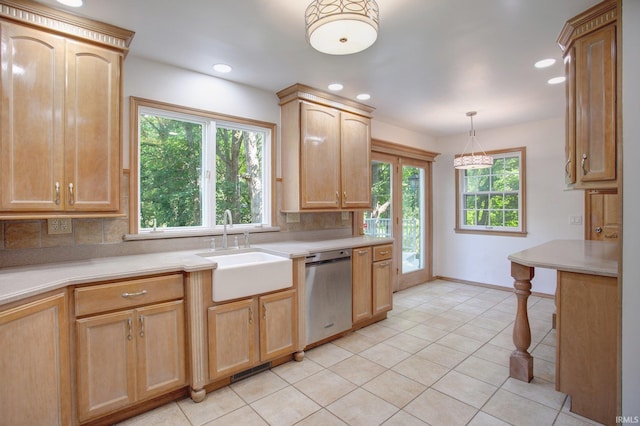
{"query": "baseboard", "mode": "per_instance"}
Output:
(491, 286)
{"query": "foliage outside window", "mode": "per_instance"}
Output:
(492, 200)
(193, 166)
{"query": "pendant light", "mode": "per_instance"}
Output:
(473, 160)
(341, 27)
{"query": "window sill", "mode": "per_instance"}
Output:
(491, 232)
(168, 234)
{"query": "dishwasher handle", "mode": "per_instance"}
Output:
(328, 256)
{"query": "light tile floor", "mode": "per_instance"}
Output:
(440, 358)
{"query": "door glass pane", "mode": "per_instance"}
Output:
(413, 181)
(377, 222)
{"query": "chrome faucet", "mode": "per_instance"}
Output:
(226, 215)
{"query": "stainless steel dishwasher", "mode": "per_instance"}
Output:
(328, 294)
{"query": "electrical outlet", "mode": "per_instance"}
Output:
(293, 217)
(345, 216)
(59, 226)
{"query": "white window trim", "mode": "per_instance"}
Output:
(496, 230)
(139, 106)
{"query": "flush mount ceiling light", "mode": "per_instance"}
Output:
(342, 27)
(71, 3)
(472, 160)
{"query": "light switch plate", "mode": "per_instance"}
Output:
(575, 220)
(59, 226)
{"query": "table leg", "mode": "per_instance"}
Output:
(521, 361)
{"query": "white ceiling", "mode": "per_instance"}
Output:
(434, 60)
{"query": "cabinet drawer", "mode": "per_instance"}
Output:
(382, 252)
(127, 294)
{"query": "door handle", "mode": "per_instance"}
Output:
(598, 229)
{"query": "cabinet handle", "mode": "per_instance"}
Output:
(584, 158)
(57, 193)
(250, 315)
(384, 264)
(141, 326)
(130, 324)
(337, 197)
(139, 293)
(264, 311)
(384, 252)
(71, 200)
(362, 252)
(344, 195)
(566, 167)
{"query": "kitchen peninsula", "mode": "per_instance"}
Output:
(587, 307)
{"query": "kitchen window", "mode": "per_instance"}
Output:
(492, 200)
(193, 165)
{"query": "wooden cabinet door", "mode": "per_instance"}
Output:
(570, 117)
(596, 106)
(34, 363)
(278, 324)
(382, 287)
(232, 346)
(319, 157)
(604, 216)
(355, 161)
(106, 363)
(92, 135)
(160, 348)
(32, 76)
(361, 274)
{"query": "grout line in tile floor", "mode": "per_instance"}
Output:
(440, 358)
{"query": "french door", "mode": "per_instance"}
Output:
(401, 189)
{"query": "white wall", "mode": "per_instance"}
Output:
(391, 133)
(160, 82)
(483, 258)
(631, 207)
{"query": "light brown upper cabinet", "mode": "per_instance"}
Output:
(61, 112)
(325, 151)
(592, 143)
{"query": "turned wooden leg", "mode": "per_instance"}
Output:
(521, 361)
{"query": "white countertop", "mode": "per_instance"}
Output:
(581, 256)
(21, 282)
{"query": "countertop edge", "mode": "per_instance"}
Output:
(17, 283)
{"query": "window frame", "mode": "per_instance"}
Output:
(488, 230)
(182, 112)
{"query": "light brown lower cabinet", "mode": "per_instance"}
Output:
(131, 355)
(34, 363)
(245, 333)
(587, 330)
(372, 271)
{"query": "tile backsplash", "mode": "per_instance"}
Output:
(26, 242)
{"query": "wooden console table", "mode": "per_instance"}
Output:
(587, 321)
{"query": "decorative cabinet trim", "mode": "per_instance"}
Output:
(590, 20)
(306, 93)
(67, 24)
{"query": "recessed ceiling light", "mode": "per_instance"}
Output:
(222, 68)
(545, 63)
(556, 80)
(336, 87)
(72, 3)
(363, 97)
